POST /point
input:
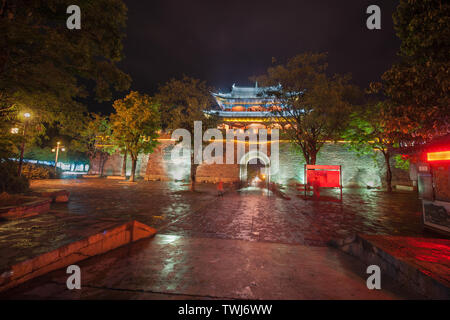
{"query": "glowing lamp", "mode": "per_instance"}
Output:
(27, 115)
(438, 156)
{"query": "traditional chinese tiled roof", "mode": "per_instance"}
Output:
(247, 97)
(247, 92)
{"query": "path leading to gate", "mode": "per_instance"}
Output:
(251, 215)
(246, 245)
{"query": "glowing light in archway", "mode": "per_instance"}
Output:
(250, 156)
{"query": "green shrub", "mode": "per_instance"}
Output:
(401, 162)
(9, 180)
(39, 171)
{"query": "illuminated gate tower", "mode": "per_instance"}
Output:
(247, 108)
(250, 108)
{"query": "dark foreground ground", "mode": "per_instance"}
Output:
(244, 245)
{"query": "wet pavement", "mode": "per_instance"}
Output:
(248, 221)
(95, 205)
(251, 215)
(174, 267)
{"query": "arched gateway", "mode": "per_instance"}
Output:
(258, 156)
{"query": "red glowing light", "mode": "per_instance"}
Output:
(438, 156)
(327, 176)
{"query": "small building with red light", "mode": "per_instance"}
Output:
(433, 174)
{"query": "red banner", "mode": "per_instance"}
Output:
(325, 176)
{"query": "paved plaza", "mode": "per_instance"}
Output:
(245, 245)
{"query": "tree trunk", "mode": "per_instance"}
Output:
(91, 162)
(310, 157)
(388, 172)
(309, 148)
(103, 158)
(193, 173)
(124, 164)
(133, 168)
(193, 176)
(313, 157)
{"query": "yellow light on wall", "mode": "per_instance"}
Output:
(438, 156)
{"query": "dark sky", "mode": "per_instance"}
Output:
(226, 42)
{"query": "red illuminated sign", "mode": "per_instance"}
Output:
(327, 176)
(438, 156)
(323, 176)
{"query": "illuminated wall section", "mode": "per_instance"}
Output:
(179, 169)
(356, 171)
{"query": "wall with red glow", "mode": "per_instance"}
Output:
(356, 171)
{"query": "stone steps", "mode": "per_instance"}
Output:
(74, 252)
(421, 264)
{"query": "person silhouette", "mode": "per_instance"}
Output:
(316, 187)
(220, 188)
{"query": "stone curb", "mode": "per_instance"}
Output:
(412, 276)
(91, 176)
(74, 252)
(116, 178)
(34, 207)
(57, 195)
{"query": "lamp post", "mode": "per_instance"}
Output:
(58, 147)
(26, 116)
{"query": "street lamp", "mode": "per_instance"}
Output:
(26, 115)
(58, 147)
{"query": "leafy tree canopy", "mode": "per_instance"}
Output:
(419, 84)
(136, 124)
(316, 107)
(184, 101)
(370, 130)
(45, 68)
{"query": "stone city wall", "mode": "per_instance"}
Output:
(113, 165)
(356, 171)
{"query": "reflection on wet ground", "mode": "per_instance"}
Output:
(258, 215)
(174, 267)
(250, 214)
(94, 206)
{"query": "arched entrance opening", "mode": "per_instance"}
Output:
(257, 172)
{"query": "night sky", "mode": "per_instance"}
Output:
(226, 42)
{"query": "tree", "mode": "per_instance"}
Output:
(369, 131)
(93, 139)
(418, 85)
(124, 164)
(135, 125)
(182, 102)
(46, 68)
(8, 140)
(313, 106)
